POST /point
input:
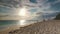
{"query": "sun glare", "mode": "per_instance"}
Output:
(22, 12)
(22, 22)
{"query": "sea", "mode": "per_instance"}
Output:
(7, 23)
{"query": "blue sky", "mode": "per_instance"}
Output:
(33, 1)
(45, 6)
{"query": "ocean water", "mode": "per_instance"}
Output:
(7, 23)
(11, 22)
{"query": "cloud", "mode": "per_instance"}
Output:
(42, 6)
(47, 7)
(9, 3)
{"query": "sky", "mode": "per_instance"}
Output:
(48, 8)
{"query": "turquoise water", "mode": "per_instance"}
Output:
(11, 22)
(8, 22)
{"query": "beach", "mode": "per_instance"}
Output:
(45, 27)
(10, 28)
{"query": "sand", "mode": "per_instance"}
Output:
(45, 27)
(12, 28)
(8, 29)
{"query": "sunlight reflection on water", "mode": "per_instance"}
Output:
(22, 22)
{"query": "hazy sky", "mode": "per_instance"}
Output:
(47, 7)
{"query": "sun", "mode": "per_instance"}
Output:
(22, 11)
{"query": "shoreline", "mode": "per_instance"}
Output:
(14, 27)
(45, 27)
(10, 28)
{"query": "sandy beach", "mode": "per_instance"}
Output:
(10, 28)
(45, 27)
